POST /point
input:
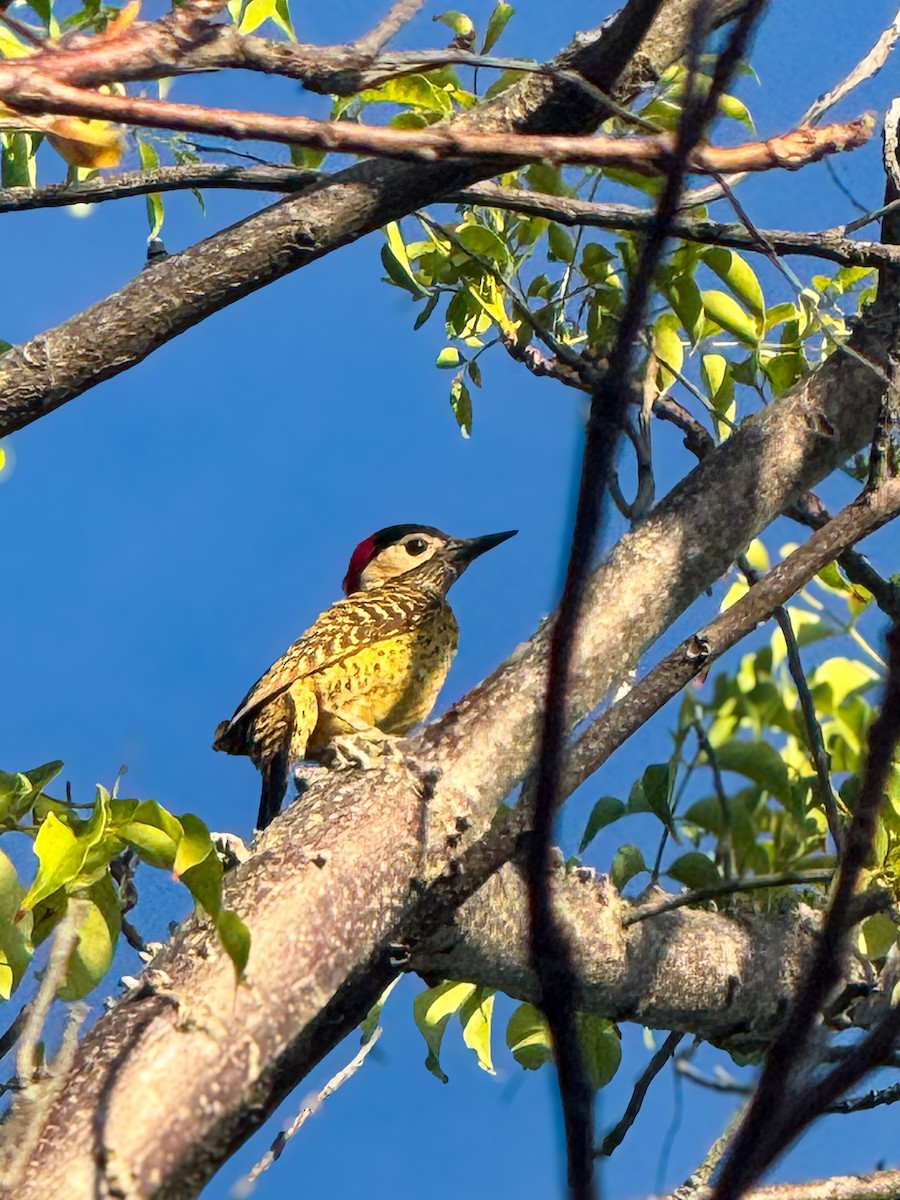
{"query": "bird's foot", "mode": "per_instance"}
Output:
(361, 750)
(230, 848)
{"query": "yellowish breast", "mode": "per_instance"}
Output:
(390, 685)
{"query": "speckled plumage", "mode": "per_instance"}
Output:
(376, 660)
(371, 665)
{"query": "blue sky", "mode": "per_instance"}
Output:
(169, 533)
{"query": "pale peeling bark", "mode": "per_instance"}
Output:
(728, 979)
(168, 1085)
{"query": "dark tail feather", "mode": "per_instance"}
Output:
(275, 775)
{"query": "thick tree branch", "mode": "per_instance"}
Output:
(113, 335)
(726, 978)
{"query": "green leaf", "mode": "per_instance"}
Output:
(876, 935)
(457, 21)
(235, 938)
(475, 1016)
(153, 833)
(656, 784)
(728, 314)
(528, 1037)
(736, 110)
(204, 882)
(396, 261)
(628, 862)
(415, 90)
(155, 208)
(683, 295)
(39, 777)
(757, 761)
(668, 347)
(605, 811)
(18, 166)
(432, 1009)
(842, 677)
(601, 1046)
(449, 357)
(99, 925)
(695, 870)
(562, 248)
(461, 403)
(430, 306)
(15, 931)
(373, 1016)
(498, 21)
(483, 242)
(60, 855)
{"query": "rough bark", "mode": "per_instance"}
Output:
(168, 298)
(727, 979)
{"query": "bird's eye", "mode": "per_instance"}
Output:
(416, 546)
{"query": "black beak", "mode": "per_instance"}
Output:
(466, 550)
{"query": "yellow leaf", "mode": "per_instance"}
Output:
(126, 16)
(86, 143)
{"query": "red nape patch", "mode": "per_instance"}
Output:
(359, 560)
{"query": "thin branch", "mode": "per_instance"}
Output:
(810, 511)
(38, 1083)
(616, 1135)
(696, 1183)
(814, 737)
(273, 178)
(54, 975)
(695, 655)
(829, 244)
(400, 13)
(726, 888)
(868, 66)
(275, 1150)
(26, 90)
(874, 1099)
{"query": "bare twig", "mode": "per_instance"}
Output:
(814, 738)
(868, 66)
(727, 888)
(54, 975)
(39, 1084)
(874, 1099)
(616, 1136)
(275, 1150)
(400, 13)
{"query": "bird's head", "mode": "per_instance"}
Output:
(399, 549)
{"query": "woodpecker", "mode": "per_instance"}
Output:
(369, 668)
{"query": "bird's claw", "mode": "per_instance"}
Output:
(361, 750)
